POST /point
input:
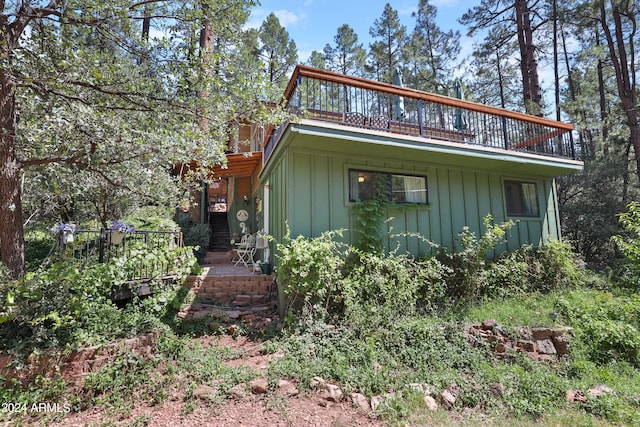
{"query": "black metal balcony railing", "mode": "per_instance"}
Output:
(323, 95)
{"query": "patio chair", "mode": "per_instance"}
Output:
(245, 250)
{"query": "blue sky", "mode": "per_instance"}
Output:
(313, 23)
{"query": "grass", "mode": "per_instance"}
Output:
(427, 349)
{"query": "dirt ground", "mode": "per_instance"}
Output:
(306, 410)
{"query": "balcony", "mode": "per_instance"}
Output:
(322, 95)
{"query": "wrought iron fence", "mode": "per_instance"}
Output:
(82, 247)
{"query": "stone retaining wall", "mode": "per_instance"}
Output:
(231, 289)
(77, 364)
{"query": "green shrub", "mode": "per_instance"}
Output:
(465, 279)
(628, 244)
(63, 305)
(309, 272)
(608, 327)
(328, 278)
(544, 269)
(194, 234)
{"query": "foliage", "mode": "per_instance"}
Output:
(38, 244)
(589, 201)
(309, 271)
(65, 306)
(327, 279)
(548, 268)
(608, 326)
(629, 243)
(194, 234)
(371, 214)
(465, 281)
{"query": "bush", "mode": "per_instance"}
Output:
(63, 305)
(327, 278)
(545, 269)
(608, 327)
(629, 245)
(194, 234)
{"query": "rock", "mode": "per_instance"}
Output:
(488, 324)
(317, 382)
(599, 391)
(430, 402)
(259, 386)
(497, 389)
(499, 329)
(238, 391)
(546, 346)
(287, 388)
(360, 401)
(376, 401)
(454, 389)
(331, 393)
(575, 396)
(561, 330)
(448, 399)
(542, 333)
(533, 355)
(233, 314)
(561, 345)
(242, 299)
(422, 388)
(528, 345)
(204, 392)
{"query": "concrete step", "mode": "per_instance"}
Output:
(218, 257)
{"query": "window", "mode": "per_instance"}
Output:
(364, 185)
(522, 198)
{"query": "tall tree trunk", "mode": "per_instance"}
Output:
(206, 49)
(11, 227)
(532, 91)
(556, 71)
(604, 113)
(624, 64)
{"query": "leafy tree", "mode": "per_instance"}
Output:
(348, 56)
(104, 110)
(522, 17)
(278, 52)
(436, 51)
(620, 31)
(495, 77)
(386, 50)
(317, 59)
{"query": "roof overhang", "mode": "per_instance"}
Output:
(329, 137)
(237, 165)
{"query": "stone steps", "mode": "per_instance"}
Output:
(224, 257)
(248, 289)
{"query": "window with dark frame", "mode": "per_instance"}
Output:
(522, 198)
(363, 185)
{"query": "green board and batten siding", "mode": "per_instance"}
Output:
(308, 175)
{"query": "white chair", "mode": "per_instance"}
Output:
(245, 250)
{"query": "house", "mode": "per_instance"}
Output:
(452, 161)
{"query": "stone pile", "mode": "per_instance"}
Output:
(545, 344)
(256, 316)
(75, 365)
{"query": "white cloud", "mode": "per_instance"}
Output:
(287, 17)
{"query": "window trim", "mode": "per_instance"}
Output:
(521, 181)
(389, 174)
